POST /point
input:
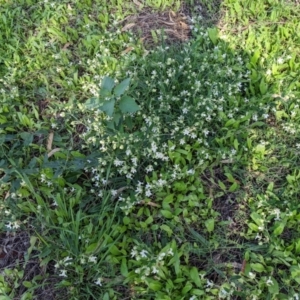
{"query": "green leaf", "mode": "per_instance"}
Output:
(290, 179)
(105, 93)
(107, 84)
(279, 229)
(273, 288)
(297, 246)
(187, 288)
(197, 292)
(194, 274)
(179, 280)
(238, 8)
(114, 250)
(213, 34)
(233, 187)
(33, 240)
(167, 214)
(279, 114)
(106, 296)
(115, 122)
(255, 57)
(168, 199)
(270, 187)
(210, 225)
(108, 107)
(27, 284)
(230, 177)
(92, 103)
(257, 267)
(253, 226)
(236, 144)
(180, 186)
(263, 87)
(155, 285)
(121, 87)
(128, 105)
(91, 248)
(222, 185)
(27, 137)
(149, 220)
(295, 273)
(199, 238)
(167, 229)
(124, 269)
(256, 218)
(126, 220)
(230, 122)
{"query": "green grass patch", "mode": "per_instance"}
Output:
(166, 173)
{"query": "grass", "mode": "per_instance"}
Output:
(134, 166)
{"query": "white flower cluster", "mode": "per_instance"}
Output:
(152, 263)
(61, 264)
(166, 115)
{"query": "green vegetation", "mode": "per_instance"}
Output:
(163, 173)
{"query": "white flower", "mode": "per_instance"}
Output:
(261, 227)
(9, 225)
(191, 172)
(118, 162)
(67, 260)
(170, 252)
(209, 284)
(43, 177)
(269, 282)
(265, 116)
(149, 169)
(154, 270)
(280, 60)
(143, 253)
(82, 260)
(93, 259)
(63, 273)
(133, 252)
(98, 281)
(54, 203)
(223, 292)
(206, 132)
(147, 271)
(161, 256)
(276, 211)
(148, 193)
(186, 131)
(296, 297)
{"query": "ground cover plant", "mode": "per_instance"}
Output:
(140, 162)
